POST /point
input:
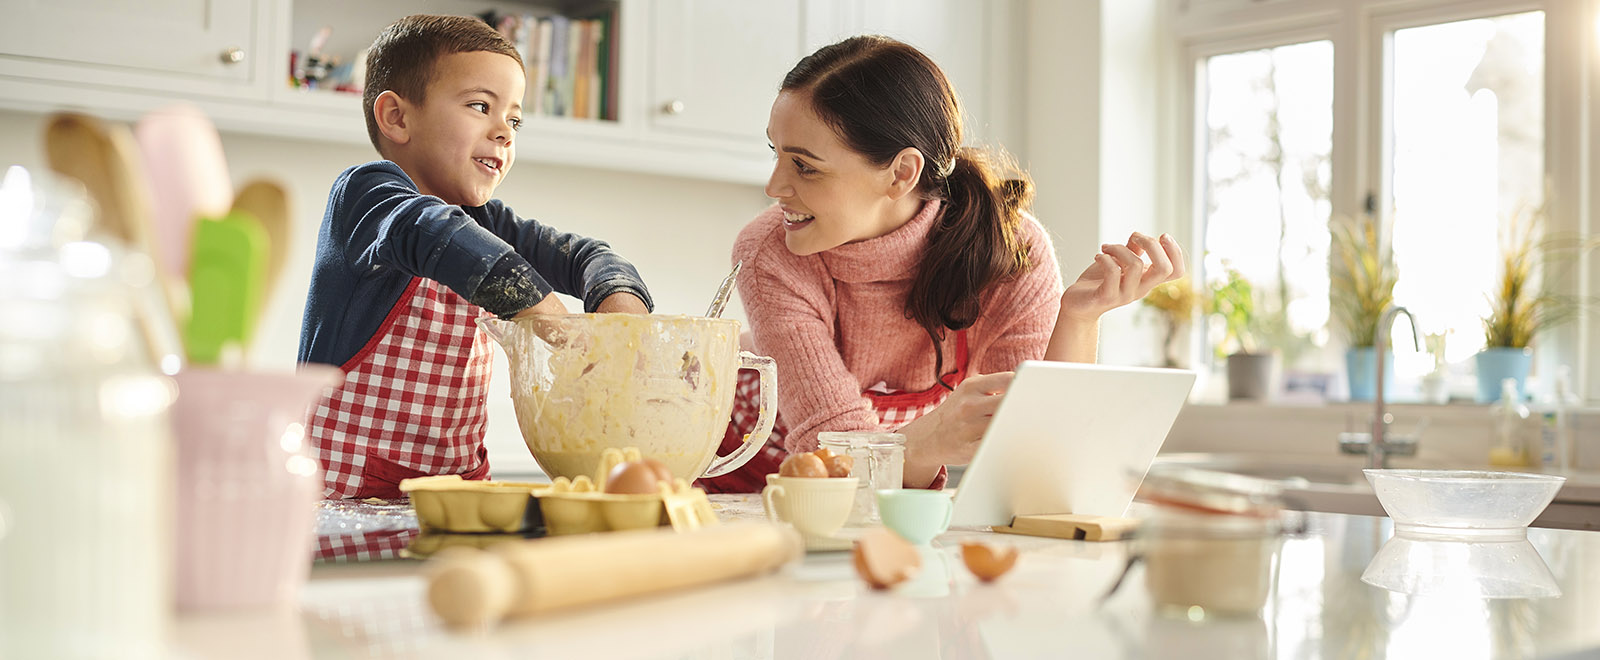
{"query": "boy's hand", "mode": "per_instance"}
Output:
(550, 305)
(622, 302)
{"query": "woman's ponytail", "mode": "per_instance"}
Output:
(974, 244)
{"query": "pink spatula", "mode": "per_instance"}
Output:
(188, 178)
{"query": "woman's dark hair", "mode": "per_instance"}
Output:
(880, 96)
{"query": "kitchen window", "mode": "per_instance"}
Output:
(1268, 135)
(1428, 118)
(1465, 156)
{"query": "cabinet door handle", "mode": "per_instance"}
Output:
(233, 55)
(673, 107)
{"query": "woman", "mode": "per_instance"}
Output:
(898, 280)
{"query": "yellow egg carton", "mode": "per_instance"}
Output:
(428, 543)
(581, 505)
(448, 503)
(578, 506)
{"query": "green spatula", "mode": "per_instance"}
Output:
(227, 274)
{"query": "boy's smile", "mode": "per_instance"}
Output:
(462, 136)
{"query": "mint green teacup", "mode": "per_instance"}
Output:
(916, 515)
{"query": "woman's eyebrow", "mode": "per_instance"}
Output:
(799, 150)
(802, 151)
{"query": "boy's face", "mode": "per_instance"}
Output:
(462, 136)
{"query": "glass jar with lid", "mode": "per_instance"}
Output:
(85, 447)
(1211, 544)
(879, 465)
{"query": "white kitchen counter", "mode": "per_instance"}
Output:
(1047, 607)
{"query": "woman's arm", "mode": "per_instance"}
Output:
(1119, 275)
(949, 435)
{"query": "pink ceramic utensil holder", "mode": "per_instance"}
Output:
(247, 485)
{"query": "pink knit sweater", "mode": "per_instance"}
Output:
(836, 324)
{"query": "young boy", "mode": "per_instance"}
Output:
(413, 251)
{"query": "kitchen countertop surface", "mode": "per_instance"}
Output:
(1048, 606)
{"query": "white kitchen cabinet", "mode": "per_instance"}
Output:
(203, 47)
(695, 85)
(973, 41)
(716, 66)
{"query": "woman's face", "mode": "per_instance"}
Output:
(830, 194)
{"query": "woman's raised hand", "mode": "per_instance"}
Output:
(1120, 275)
(949, 434)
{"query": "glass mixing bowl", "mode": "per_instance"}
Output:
(1463, 499)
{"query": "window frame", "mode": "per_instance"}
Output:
(1361, 152)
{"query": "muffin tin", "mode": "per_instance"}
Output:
(452, 504)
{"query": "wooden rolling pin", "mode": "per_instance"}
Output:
(471, 587)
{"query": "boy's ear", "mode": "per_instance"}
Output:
(390, 111)
(904, 172)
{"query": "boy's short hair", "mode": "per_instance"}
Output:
(403, 56)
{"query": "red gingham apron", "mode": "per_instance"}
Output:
(895, 410)
(413, 399)
(386, 544)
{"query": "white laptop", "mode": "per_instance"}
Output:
(1070, 438)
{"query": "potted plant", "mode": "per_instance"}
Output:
(1518, 307)
(1250, 365)
(1175, 303)
(1362, 286)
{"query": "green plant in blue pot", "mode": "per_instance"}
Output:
(1518, 307)
(1363, 276)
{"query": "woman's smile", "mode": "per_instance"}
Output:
(793, 220)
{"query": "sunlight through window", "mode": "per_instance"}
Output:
(1467, 157)
(1268, 122)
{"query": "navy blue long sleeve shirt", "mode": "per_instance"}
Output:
(379, 232)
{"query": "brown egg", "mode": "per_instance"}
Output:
(988, 562)
(659, 468)
(632, 478)
(884, 559)
(839, 465)
(802, 465)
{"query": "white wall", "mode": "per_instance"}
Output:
(1095, 112)
(677, 231)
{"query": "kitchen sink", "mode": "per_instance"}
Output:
(1334, 471)
(1336, 484)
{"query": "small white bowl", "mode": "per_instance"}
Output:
(1463, 499)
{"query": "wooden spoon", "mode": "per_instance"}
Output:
(103, 157)
(268, 202)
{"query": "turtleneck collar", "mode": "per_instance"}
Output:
(891, 256)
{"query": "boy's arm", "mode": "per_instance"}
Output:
(578, 266)
(393, 225)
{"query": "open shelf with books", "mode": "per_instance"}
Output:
(570, 50)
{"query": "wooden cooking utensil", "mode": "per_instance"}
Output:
(268, 202)
(103, 157)
(476, 587)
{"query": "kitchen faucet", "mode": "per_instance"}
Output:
(1375, 445)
